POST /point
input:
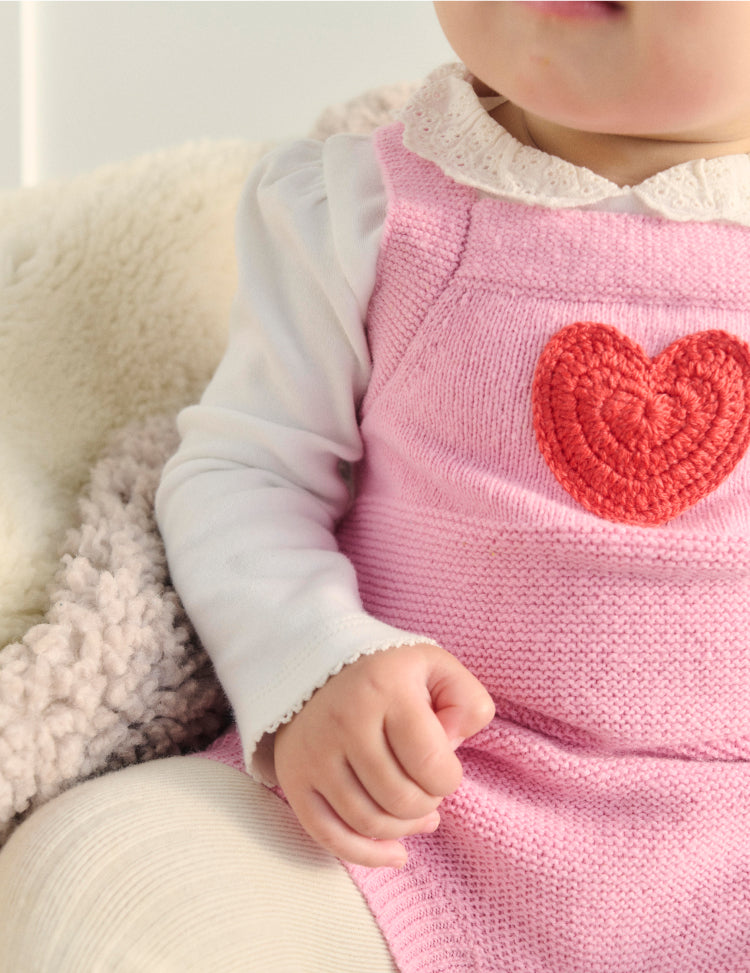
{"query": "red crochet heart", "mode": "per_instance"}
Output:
(636, 440)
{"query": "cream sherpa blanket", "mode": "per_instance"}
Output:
(115, 291)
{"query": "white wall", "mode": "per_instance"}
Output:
(9, 95)
(108, 80)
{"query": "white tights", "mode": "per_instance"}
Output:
(174, 866)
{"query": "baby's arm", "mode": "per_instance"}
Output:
(249, 505)
(248, 509)
(371, 755)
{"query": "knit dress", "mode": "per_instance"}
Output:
(556, 489)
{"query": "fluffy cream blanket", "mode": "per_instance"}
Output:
(115, 290)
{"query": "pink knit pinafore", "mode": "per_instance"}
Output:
(600, 592)
(555, 488)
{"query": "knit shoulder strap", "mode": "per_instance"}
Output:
(409, 176)
(423, 239)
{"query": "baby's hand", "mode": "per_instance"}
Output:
(371, 755)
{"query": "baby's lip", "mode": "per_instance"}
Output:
(577, 9)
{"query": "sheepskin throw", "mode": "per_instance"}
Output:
(115, 291)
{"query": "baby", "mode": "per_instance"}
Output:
(462, 519)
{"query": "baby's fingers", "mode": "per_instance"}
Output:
(388, 785)
(421, 747)
(357, 806)
(326, 827)
(462, 704)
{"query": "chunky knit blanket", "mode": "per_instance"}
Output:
(115, 290)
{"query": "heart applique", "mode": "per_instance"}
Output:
(639, 440)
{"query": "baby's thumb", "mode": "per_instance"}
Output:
(461, 703)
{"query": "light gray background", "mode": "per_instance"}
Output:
(85, 83)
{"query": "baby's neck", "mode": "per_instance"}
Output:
(623, 159)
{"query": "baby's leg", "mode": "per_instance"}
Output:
(178, 865)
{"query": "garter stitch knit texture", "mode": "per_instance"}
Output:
(603, 823)
(604, 819)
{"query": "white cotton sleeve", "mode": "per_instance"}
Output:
(249, 504)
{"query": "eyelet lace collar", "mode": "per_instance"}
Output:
(447, 123)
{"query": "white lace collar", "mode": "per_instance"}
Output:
(447, 123)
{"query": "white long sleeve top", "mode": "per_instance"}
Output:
(249, 504)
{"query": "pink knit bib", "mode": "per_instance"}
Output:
(603, 825)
